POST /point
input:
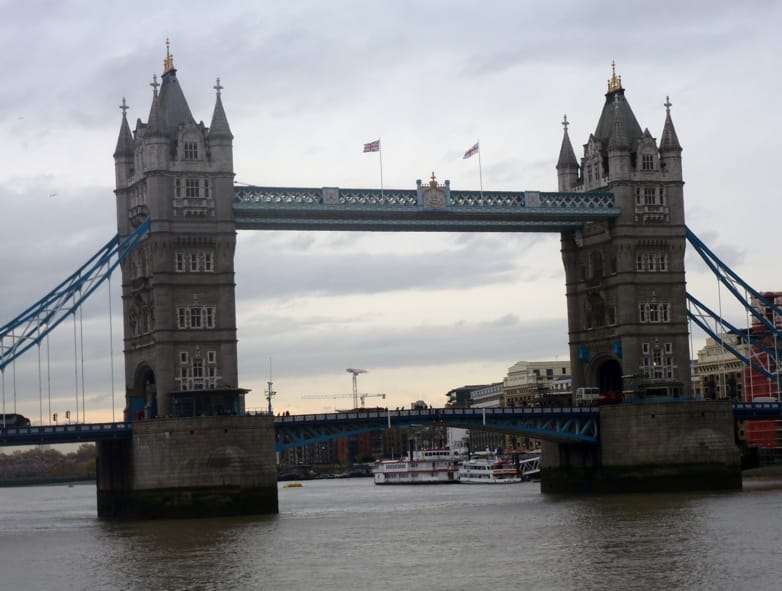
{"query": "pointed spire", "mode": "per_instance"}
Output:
(615, 82)
(669, 141)
(125, 139)
(567, 156)
(219, 127)
(168, 63)
(154, 123)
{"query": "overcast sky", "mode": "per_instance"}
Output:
(305, 85)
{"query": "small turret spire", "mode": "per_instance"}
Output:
(168, 63)
(669, 142)
(567, 165)
(615, 82)
(125, 138)
(219, 127)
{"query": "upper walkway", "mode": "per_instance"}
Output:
(426, 208)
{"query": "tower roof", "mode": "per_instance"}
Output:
(173, 106)
(616, 106)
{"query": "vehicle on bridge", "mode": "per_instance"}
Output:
(14, 420)
(594, 397)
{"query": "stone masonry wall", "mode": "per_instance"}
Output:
(698, 432)
(204, 452)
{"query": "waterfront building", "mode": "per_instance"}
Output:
(461, 397)
(718, 373)
(490, 396)
(529, 382)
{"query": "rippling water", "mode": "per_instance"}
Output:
(350, 535)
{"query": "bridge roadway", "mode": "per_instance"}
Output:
(552, 424)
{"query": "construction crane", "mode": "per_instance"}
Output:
(355, 373)
(362, 397)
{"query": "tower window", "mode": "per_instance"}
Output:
(654, 312)
(192, 188)
(191, 151)
(647, 162)
(196, 317)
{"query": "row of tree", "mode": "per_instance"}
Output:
(43, 464)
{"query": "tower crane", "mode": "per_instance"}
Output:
(362, 397)
(355, 373)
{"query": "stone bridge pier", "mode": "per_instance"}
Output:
(665, 446)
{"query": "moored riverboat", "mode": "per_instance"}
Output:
(488, 468)
(430, 466)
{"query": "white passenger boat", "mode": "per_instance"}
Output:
(488, 468)
(431, 466)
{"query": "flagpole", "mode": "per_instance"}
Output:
(480, 168)
(380, 154)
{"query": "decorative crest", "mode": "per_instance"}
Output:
(565, 122)
(154, 84)
(667, 104)
(433, 181)
(615, 83)
(168, 63)
(218, 87)
(124, 107)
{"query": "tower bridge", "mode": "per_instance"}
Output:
(619, 210)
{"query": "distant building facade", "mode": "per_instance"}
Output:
(529, 382)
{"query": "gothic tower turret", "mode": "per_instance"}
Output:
(670, 149)
(178, 284)
(567, 165)
(625, 278)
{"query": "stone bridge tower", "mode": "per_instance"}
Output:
(625, 280)
(178, 284)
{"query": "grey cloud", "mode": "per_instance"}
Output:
(299, 350)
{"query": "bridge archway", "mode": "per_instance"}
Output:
(608, 375)
(142, 401)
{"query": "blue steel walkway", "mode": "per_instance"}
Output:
(577, 425)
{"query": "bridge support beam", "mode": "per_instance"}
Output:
(193, 467)
(666, 446)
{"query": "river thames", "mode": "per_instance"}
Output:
(350, 534)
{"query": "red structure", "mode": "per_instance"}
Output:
(759, 387)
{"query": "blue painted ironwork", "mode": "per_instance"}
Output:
(552, 424)
(76, 433)
(699, 311)
(730, 279)
(757, 410)
(426, 208)
(577, 425)
(31, 326)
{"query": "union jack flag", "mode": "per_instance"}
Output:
(372, 146)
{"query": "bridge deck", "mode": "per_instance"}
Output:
(421, 209)
(556, 424)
